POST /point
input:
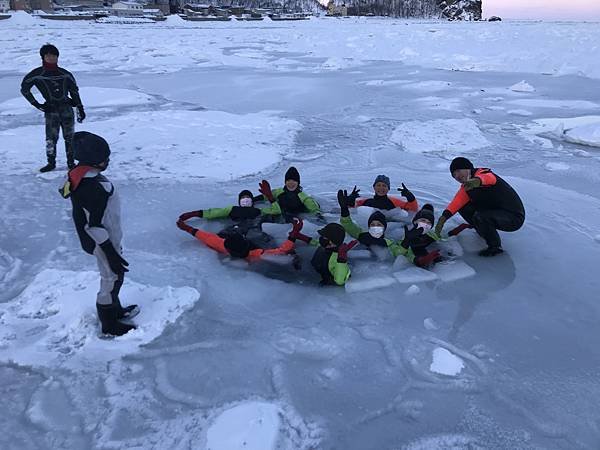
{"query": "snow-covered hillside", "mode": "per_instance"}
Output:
(476, 353)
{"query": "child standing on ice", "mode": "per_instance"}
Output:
(291, 198)
(415, 242)
(381, 199)
(97, 217)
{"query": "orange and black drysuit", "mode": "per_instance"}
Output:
(492, 206)
(388, 202)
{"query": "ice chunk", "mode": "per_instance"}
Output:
(430, 324)
(53, 322)
(414, 275)
(446, 363)
(369, 283)
(597, 238)
(442, 135)
(556, 166)
(247, 426)
(449, 271)
(520, 112)
(585, 135)
(412, 290)
(522, 86)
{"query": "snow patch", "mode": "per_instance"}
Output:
(247, 426)
(554, 104)
(446, 363)
(369, 283)
(430, 324)
(412, 290)
(442, 135)
(53, 322)
(522, 86)
(172, 144)
(520, 112)
(556, 166)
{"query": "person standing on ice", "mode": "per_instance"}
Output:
(61, 94)
(415, 242)
(290, 197)
(330, 259)
(486, 202)
(381, 199)
(247, 219)
(97, 217)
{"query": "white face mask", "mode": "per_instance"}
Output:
(246, 202)
(376, 232)
(424, 226)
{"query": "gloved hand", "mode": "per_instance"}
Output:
(185, 227)
(406, 193)
(295, 232)
(410, 235)
(41, 107)
(428, 259)
(351, 198)
(459, 229)
(344, 249)
(265, 189)
(472, 183)
(440, 225)
(80, 114)
(342, 198)
(116, 262)
(188, 215)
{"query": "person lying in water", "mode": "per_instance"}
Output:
(381, 199)
(415, 242)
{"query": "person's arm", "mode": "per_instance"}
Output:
(217, 213)
(94, 200)
(283, 249)
(396, 249)
(272, 210)
(412, 205)
(73, 89)
(351, 227)
(458, 202)
(340, 271)
(26, 85)
(360, 202)
(309, 203)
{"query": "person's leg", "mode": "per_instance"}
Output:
(52, 119)
(109, 311)
(488, 222)
(67, 123)
(211, 240)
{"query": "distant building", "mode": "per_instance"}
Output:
(32, 5)
(334, 10)
(127, 9)
(4, 6)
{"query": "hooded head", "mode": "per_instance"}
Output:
(424, 218)
(245, 198)
(332, 232)
(460, 169)
(377, 224)
(381, 185)
(237, 245)
(292, 179)
(90, 149)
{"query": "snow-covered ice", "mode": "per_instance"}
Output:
(522, 86)
(229, 352)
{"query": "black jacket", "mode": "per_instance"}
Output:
(58, 87)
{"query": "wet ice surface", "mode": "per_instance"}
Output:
(263, 350)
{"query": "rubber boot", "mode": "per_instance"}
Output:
(50, 166)
(70, 163)
(108, 315)
(491, 251)
(127, 312)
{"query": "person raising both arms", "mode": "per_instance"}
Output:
(381, 199)
(487, 203)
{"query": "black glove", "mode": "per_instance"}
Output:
(342, 197)
(406, 193)
(351, 199)
(410, 235)
(80, 114)
(117, 264)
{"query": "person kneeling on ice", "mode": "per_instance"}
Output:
(486, 202)
(235, 244)
(290, 197)
(381, 199)
(330, 259)
(97, 217)
(247, 219)
(415, 242)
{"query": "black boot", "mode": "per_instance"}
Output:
(491, 251)
(108, 315)
(70, 163)
(50, 166)
(127, 312)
